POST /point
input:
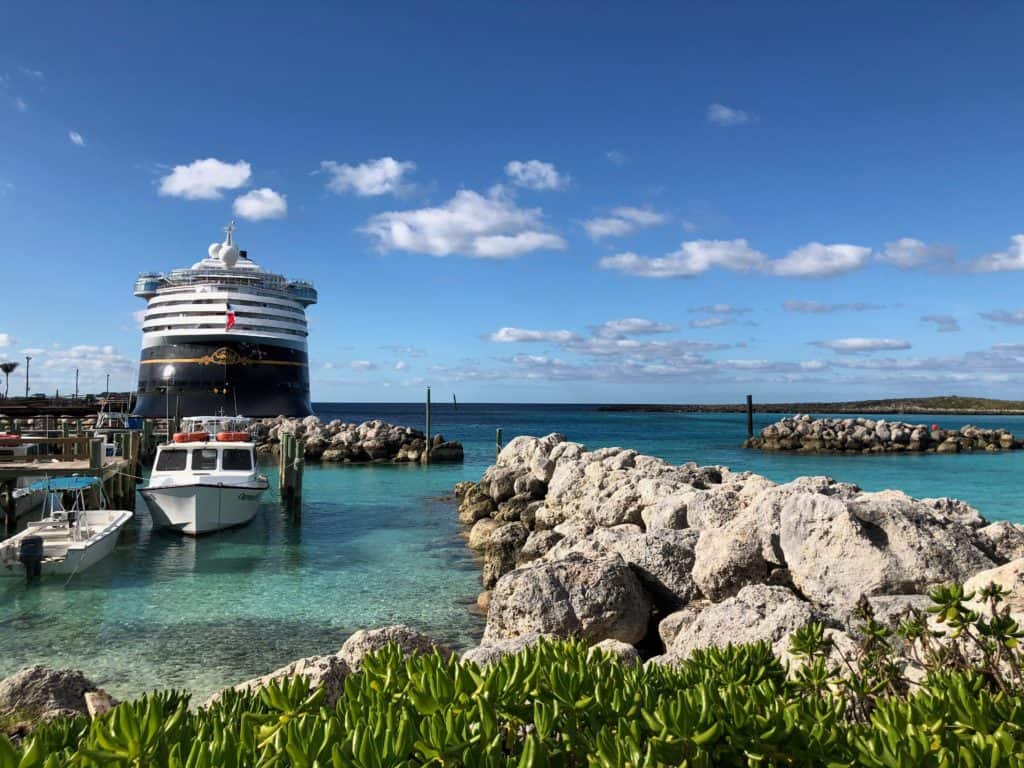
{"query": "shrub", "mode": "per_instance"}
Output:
(553, 704)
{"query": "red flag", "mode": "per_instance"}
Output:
(230, 320)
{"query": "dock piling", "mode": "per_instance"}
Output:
(291, 466)
(750, 415)
(10, 515)
(426, 450)
(96, 453)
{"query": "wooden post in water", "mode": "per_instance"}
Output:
(147, 438)
(96, 453)
(10, 516)
(497, 443)
(426, 450)
(750, 415)
(292, 462)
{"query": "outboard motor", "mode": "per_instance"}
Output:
(30, 553)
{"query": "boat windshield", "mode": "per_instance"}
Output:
(171, 460)
(237, 459)
(204, 459)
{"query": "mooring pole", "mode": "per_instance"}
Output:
(750, 415)
(10, 515)
(497, 443)
(426, 450)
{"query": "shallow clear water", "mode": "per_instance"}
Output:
(376, 546)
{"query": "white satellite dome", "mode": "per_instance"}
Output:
(228, 255)
(214, 250)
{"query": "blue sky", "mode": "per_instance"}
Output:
(642, 202)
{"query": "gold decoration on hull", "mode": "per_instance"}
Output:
(221, 356)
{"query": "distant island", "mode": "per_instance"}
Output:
(948, 404)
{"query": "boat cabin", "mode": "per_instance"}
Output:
(205, 458)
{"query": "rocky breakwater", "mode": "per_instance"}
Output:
(349, 443)
(860, 435)
(613, 546)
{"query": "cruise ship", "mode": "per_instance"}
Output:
(223, 336)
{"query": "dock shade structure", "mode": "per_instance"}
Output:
(256, 365)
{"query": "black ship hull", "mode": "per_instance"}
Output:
(235, 377)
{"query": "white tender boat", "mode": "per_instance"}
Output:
(75, 532)
(204, 482)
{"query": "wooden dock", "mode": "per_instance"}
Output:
(67, 456)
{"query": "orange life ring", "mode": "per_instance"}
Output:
(232, 437)
(191, 437)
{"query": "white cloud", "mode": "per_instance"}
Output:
(818, 308)
(401, 365)
(631, 326)
(20, 104)
(1011, 259)
(910, 253)
(943, 323)
(515, 335)
(34, 73)
(5, 340)
(820, 260)
(54, 367)
(510, 246)
(623, 220)
(694, 257)
(76, 138)
(858, 345)
(383, 176)
(719, 114)
(720, 309)
(263, 203)
(615, 157)
(205, 179)
(479, 226)
(534, 174)
(710, 322)
(689, 226)
(362, 365)
(1004, 316)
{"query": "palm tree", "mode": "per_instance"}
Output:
(8, 369)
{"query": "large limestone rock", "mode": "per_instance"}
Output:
(328, 671)
(728, 559)
(756, 613)
(42, 693)
(838, 549)
(368, 640)
(501, 552)
(663, 560)
(572, 597)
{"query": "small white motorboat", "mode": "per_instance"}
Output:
(204, 482)
(75, 532)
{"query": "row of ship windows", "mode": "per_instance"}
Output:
(220, 327)
(236, 302)
(247, 315)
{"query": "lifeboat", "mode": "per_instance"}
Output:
(232, 437)
(8, 439)
(191, 437)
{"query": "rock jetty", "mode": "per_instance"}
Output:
(612, 545)
(349, 443)
(859, 435)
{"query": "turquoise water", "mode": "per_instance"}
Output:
(376, 545)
